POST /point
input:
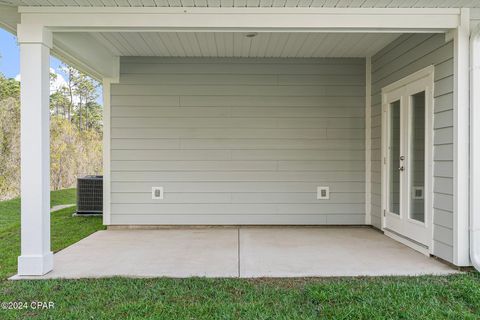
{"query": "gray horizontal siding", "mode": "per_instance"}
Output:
(237, 141)
(474, 18)
(404, 56)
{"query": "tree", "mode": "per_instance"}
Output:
(75, 132)
(9, 138)
(9, 88)
(81, 92)
(93, 116)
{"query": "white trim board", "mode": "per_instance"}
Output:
(461, 135)
(242, 19)
(106, 152)
(475, 147)
(368, 140)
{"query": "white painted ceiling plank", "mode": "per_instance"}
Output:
(200, 3)
(119, 37)
(220, 44)
(310, 44)
(174, 3)
(213, 3)
(445, 3)
(171, 41)
(202, 43)
(140, 43)
(401, 3)
(363, 43)
(291, 3)
(122, 3)
(186, 44)
(318, 3)
(279, 3)
(260, 46)
(156, 43)
(304, 3)
(161, 3)
(240, 3)
(188, 38)
(337, 46)
(73, 3)
(292, 45)
(237, 44)
(107, 43)
(211, 45)
(344, 46)
(277, 44)
(109, 38)
(266, 3)
(323, 46)
(378, 43)
(343, 4)
(226, 3)
(330, 3)
(229, 44)
(147, 3)
(253, 3)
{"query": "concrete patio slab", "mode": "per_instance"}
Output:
(329, 252)
(150, 253)
(241, 252)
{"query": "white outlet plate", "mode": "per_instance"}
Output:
(157, 193)
(417, 193)
(323, 193)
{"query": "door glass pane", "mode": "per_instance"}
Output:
(417, 157)
(394, 155)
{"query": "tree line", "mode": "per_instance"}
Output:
(75, 131)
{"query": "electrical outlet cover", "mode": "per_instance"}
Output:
(323, 193)
(157, 193)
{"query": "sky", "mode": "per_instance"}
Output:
(10, 56)
(10, 62)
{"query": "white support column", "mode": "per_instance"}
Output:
(475, 148)
(368, 140)
(107, 82)
(106, 152)
(461, 139)
(36, 257)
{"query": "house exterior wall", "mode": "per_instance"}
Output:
(404, 56)
(235, 141)
(474, 18)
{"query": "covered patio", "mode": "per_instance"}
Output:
(245, 252)
(260, 118)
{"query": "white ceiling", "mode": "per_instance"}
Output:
(227, 44)
(252, 3)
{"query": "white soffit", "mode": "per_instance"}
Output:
(228, 44)
(252, 3)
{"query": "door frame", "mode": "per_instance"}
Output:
(426, 74)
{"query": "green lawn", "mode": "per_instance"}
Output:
(66, 229)
(446, 297)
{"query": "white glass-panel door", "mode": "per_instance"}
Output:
(407, 158)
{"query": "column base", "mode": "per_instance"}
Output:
(35, 265)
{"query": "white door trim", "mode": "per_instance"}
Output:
(426, 74)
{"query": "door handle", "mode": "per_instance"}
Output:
(402, 158)
(401, 168)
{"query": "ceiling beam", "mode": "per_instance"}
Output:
(78, 19)
(87, 54)
(9, 18)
